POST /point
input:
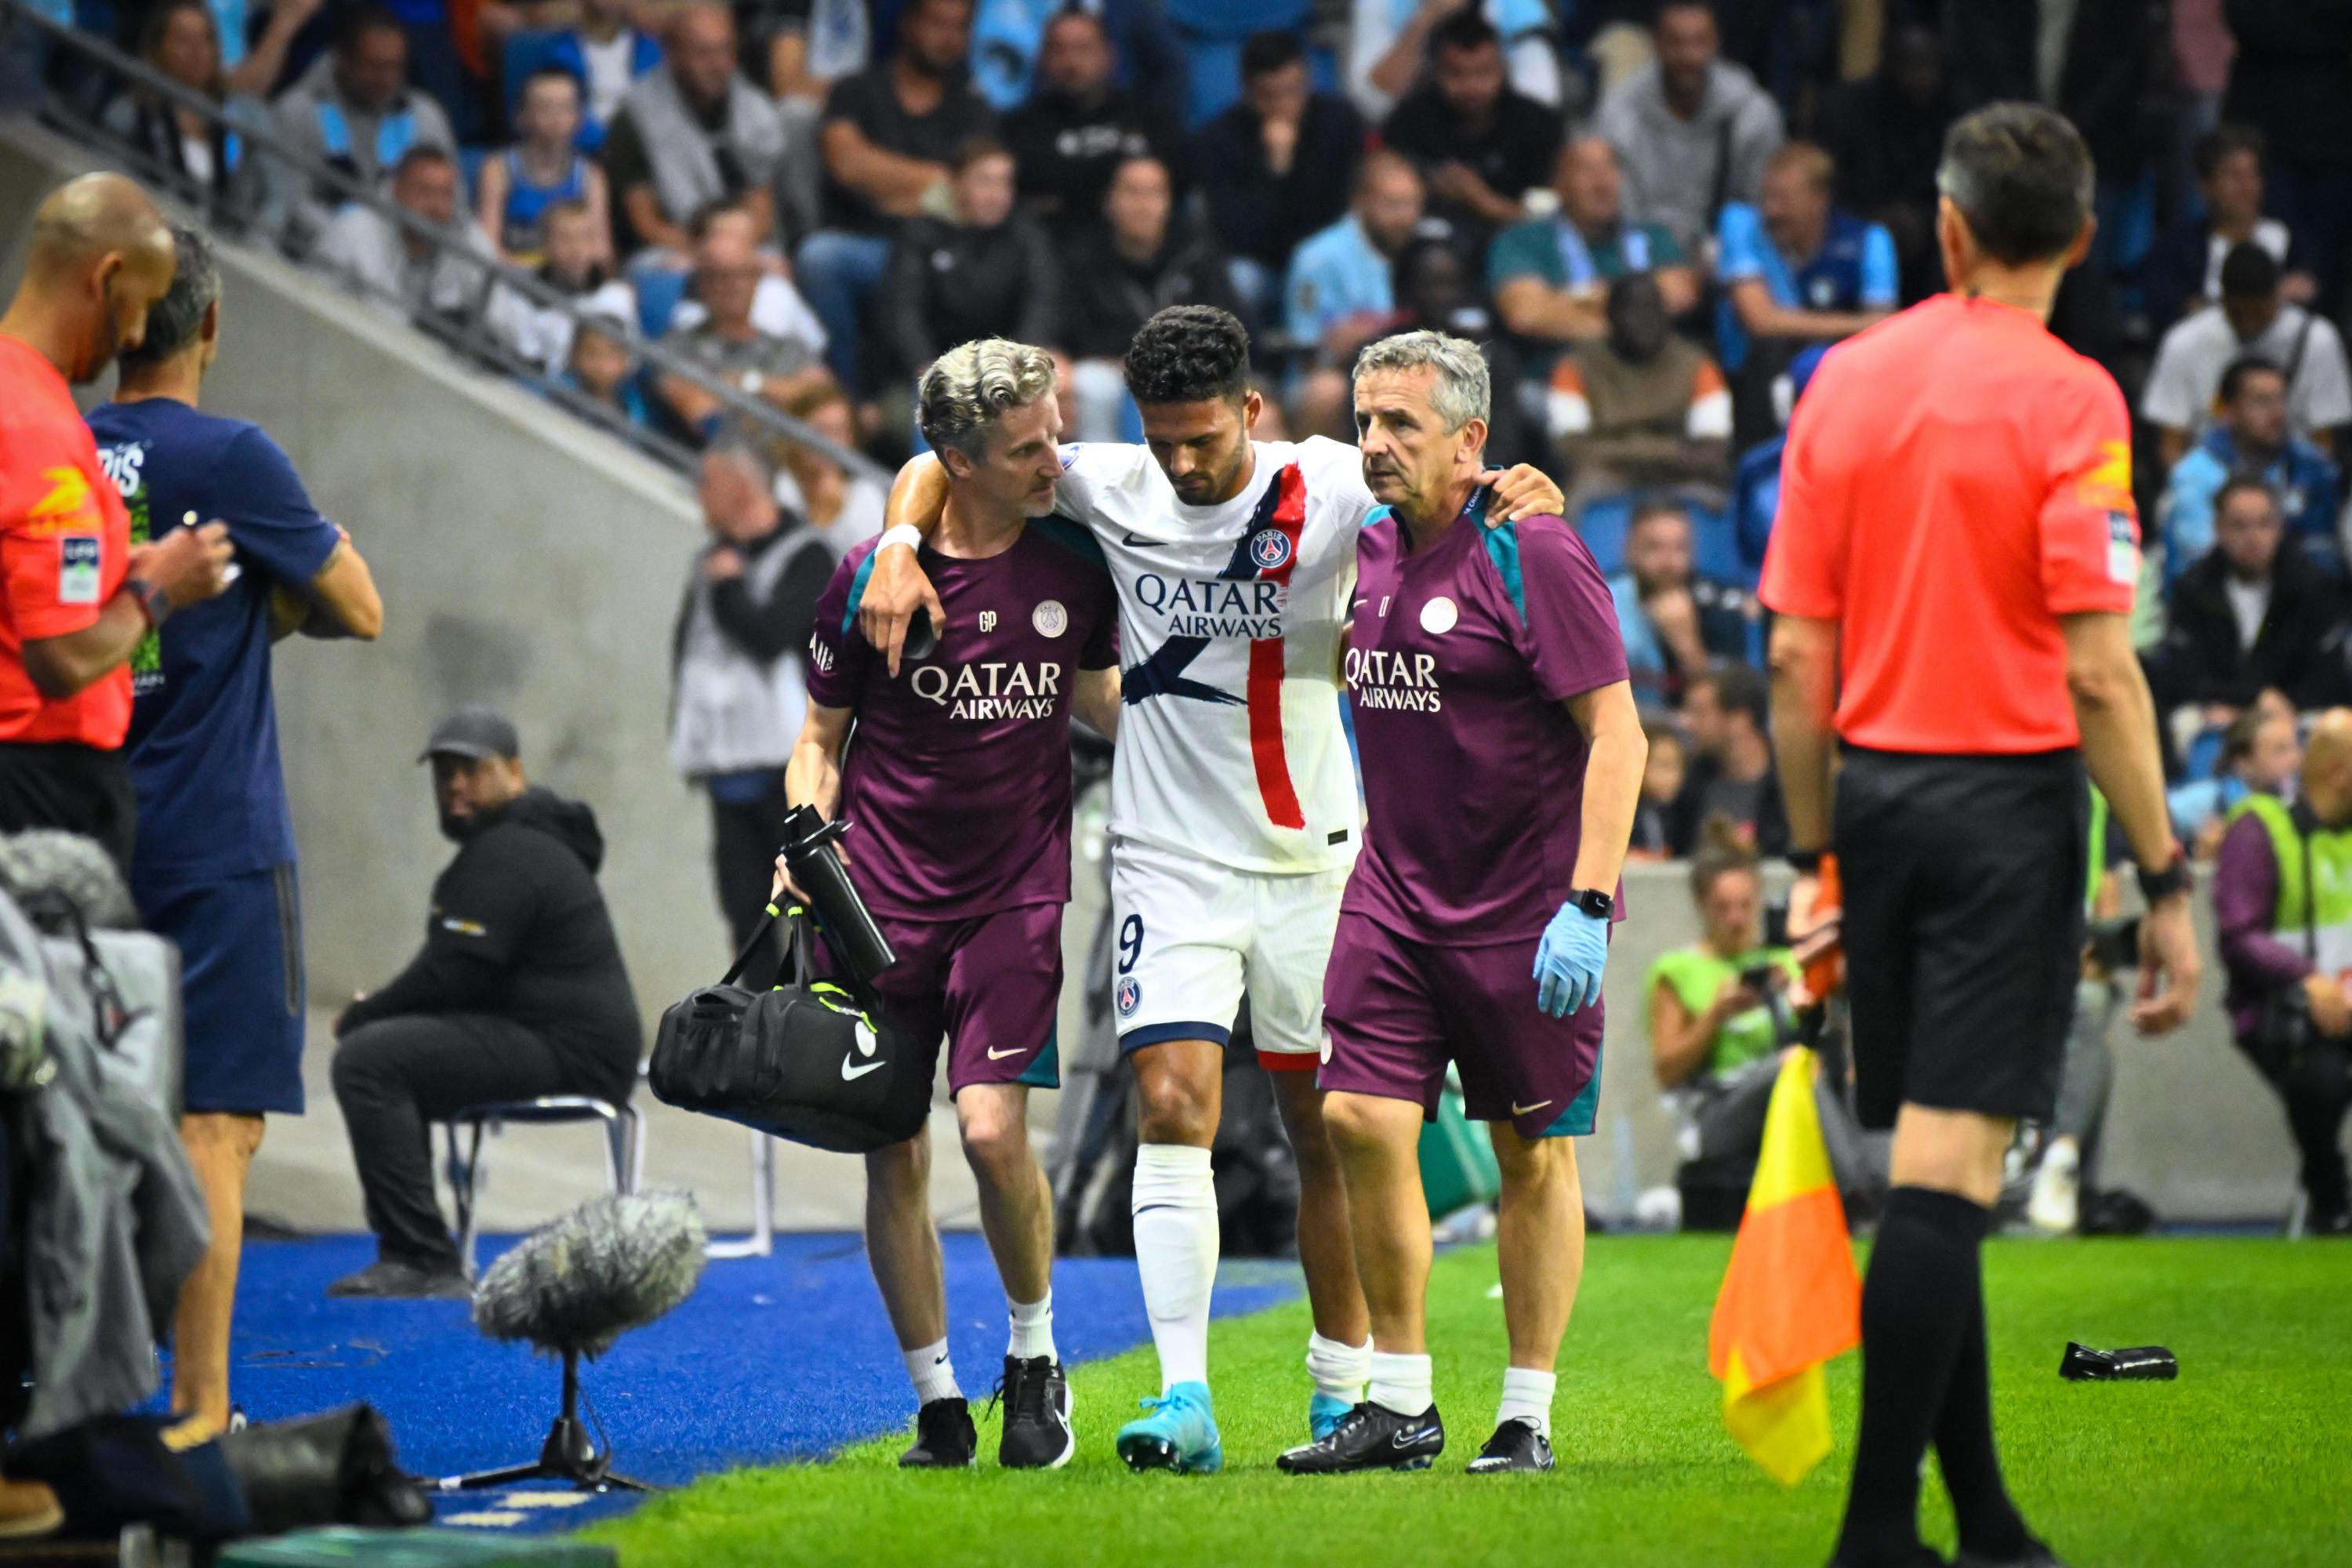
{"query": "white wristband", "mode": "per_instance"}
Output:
(905, 533)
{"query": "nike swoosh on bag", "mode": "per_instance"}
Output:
(1518, 1109)
(852, 1073)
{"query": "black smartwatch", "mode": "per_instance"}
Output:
(1805, 862)
(2173, 878)
(151, 599)
(1597, 904)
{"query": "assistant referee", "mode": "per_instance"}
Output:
(1953, 568)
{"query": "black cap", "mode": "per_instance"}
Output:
(473, 732)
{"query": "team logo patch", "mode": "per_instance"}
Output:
(1438, 617)
(1131, 996)
(1050, 619)
(2123, 548)
(1269, 549)
(78, 559)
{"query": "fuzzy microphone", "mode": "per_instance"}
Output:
(580, 1283)
(575, 1286)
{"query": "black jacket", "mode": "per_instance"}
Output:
(2293, 77)
(764, 629)
(2116, 84)
(1111, 297)
(1262, 217)
(519, 931)
(1518, 152)
(950, 283)
(2299, 650)
(1067, 154)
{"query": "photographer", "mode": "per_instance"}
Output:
(1719, 1019)
(2287, 952)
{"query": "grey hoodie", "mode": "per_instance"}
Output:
(1677, 170)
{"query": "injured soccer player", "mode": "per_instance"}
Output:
(958, 792)
(1475, 926)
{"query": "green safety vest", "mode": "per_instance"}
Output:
(1694, 974)
(2330, 861)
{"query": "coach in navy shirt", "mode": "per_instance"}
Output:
(214, 865)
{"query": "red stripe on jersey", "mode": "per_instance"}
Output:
(1266, 665)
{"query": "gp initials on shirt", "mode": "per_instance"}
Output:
(1403, 682)
(998, 689)
(1215, 606)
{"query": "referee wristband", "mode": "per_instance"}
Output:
(905, 533)
(2157, 886)
(151, 599)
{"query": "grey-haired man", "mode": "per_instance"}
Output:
(959, 788)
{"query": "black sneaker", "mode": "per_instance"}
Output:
(1037, 1434)
(944, 1437)
(1516, 1445)
(392, 1279)
(1370, 1437)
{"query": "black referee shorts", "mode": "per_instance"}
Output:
(1964, 878)
(78, 788)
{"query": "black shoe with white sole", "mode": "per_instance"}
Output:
(1037, 1433)
(944, 1437)
(1516, 1445)
(1370, 1437)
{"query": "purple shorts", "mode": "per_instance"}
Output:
(992, 984)
(1398, 1010)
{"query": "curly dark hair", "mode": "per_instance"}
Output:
(1189, 353)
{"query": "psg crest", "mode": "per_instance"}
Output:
(1269, 549)
(1130, 995)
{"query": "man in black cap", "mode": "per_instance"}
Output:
(519, 992)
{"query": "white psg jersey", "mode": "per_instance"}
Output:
(1229, 619)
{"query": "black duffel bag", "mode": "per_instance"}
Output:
(802, 1062)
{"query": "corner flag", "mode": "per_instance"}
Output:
(1791, 1298)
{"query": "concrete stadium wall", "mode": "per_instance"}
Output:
(524, 560)
(2193, 1129)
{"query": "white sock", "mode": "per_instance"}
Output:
(1401, 1382)
(1033, 1329)
(1175, 1206)
(933, 1372)
(1339, 1370)
(1527, 1396)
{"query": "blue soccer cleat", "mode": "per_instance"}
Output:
(1179, 1435)
(1324, 1414)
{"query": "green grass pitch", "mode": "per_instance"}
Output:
(2246, 1461)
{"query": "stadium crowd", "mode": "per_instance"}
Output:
(1654, 217)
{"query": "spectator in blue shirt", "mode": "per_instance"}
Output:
(1755, 484)
(2250, 437)
(605, 55)
(1338, 295)
(1796, 266)
(1675, 622)
(214, 869)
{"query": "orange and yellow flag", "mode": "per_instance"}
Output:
(1791, 1298)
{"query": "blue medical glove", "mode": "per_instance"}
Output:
(1568, 960)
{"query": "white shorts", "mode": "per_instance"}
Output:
(1193, 937)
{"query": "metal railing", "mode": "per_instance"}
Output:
(469, 330)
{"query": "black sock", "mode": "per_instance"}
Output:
(1917, 1306)
(1990, 1525)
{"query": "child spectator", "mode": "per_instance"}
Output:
(1662, 782)
(603, 373)
(606, 55)
(542, 169)
(575, 267)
